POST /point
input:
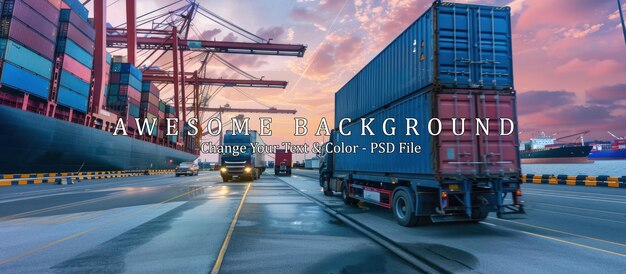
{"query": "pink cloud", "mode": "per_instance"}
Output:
(592, 68)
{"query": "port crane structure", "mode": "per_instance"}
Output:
(621, 17)
(160, 33)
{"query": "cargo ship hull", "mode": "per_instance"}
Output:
(567, 154)
(619, 154)
(36, 143)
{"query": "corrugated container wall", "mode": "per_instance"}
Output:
(449, 46)
(28, 30)
(77, 49)
(448, 155)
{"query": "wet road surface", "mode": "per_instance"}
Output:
(567, 229)
(164, 224)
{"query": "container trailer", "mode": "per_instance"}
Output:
(241, 161)
(449, 46)
(450, 178)
(454, 61)
(282, 162)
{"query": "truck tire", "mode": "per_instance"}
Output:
(225, 179)
(345, 197)
(403, 208)
(325, 183)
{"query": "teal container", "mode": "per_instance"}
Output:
(78, 53)
(26, 81)
(72, 99)
(74, 83)
(26, 58)
(133, 110)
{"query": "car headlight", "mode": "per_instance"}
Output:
(247, 169)
(223, 169)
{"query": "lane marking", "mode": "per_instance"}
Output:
(576, 244)
(220, 255)
(581, 216)
(577, 198)
(580, 208)
(130, 214)
(84, 202)
(35, 194)
(559, 231)
(575, 193)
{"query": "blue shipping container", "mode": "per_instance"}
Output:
(78, 7)
(133, 110)
(450, 46)
(72, 99)
(78, 53)
(418, 107)
(128, 68)
(26, 58)
(17, 78)
(74, 83)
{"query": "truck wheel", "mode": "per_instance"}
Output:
(345, 197)
(225, 179)
(326, 185)
(403, 209)
(259, 172)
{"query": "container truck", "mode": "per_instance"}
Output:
(282, 162)
(453, 62)
(239, 161)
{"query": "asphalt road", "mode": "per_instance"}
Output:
(165, 224)
(567, 229)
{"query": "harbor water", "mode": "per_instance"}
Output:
(616, 168)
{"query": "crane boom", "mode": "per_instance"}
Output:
(621, 16)
(615, 136)
(572, 135)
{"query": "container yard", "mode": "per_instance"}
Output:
(197, 136)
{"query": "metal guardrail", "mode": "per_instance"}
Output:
(577, 180)
(69, 177)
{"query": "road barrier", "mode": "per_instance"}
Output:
(577, 180)
(69, 177)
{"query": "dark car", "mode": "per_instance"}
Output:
(187, 169)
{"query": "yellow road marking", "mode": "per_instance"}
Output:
(91, 229)
(559, 231)
(576, 244)
(220, 255)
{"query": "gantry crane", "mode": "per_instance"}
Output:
(227, 108)
(171, 34)
(621, 17)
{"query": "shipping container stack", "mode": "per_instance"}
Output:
(28, 30)
(124, 94)
(75, 49)
(149, 108)
(454, 61)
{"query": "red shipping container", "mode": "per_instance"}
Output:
(154, 90)
(36, 21)
(152, 109)
(55, 3)
(80, 38)
(31, 39)
(131, 93)
(76, 68)
(114, 78)
(46, 9)
(83, 25)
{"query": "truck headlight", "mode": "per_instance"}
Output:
(223, 169)
(247, 169)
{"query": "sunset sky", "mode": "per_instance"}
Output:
(569, 57)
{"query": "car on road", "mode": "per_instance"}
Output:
(187, 169)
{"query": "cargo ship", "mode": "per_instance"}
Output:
(53, 119)
(543, 150)
(615, 150)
